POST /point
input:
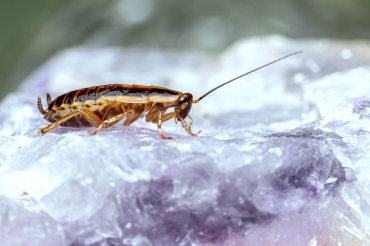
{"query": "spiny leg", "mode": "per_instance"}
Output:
(153, 117)
(110, 122)
(101, 125)
(188, 128)
(191, 118)
(110, 108)
(92, 118)
(162, 119)
(168, 116)
(134, 115)
(78, 121)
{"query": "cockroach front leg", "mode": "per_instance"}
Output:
(160, 127)
(168, 116)
(191, 123)
(188, 128)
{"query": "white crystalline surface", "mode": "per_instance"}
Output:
(283, 157)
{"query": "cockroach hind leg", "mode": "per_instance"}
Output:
(58, 122)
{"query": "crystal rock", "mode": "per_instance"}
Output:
(283, 157)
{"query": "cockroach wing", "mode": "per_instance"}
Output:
(161, 94)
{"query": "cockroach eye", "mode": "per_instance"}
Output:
(182, 100)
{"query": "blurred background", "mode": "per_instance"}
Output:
(33, 31)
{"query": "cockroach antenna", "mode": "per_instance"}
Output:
(268, 64)
(39, 105)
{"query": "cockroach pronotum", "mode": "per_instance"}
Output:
(106, 105)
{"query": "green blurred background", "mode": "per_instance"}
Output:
(33, 31)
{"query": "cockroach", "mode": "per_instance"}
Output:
(104, 106)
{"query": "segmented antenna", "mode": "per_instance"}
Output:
(200, 98)
(39, 105)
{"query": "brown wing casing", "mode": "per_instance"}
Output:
(99, 91)
(122, 93)
(112, 100)
(161, 94)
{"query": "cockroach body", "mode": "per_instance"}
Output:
(104, 106)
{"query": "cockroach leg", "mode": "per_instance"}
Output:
(58, 122)
(110, 108)
(134, 115)
(162, 136)
(92, 118)
(78, 121)
(39, 131)
(160, 127)
(97, 130)
(191, 118)
(110, 122)
(67, 123)
(168, 116)
(153, 117)
(188, 128)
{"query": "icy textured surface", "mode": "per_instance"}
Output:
(283, 157)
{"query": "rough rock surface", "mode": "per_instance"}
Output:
(283, 157)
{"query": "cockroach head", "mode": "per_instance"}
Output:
(183, 105)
